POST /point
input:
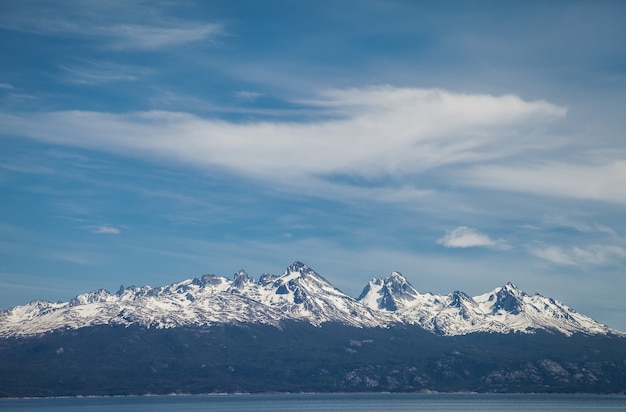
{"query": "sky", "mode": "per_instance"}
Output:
(464, 144)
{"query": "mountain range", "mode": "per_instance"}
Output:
(301, 295)
(298, 333)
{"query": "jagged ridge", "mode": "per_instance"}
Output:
(505, 309)
(300, 294)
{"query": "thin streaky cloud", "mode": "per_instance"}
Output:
(576, 256)
(95, 73)
(246, 95)
(553, 254)
(125, 36)
(579, 225)
(77, 258)
(107, 230)
(128, 36)
(601, 179)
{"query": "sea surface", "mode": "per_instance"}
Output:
(325, 402)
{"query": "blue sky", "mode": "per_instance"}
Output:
(464, 144)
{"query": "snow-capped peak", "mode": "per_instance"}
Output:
(304, 294)
(299, 267)
(241, 279)
(99, 295)
(507, 298)
(300, 294)
(390, 294)
(399, 287)
(504, 309)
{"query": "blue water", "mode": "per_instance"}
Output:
(325, 402)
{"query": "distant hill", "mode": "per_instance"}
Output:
(300, 357)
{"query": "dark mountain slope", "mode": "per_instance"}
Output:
(299, 357)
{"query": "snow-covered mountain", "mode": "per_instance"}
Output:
(299, 294)
(505, 309)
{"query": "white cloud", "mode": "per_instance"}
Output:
(553, 254)
(6, 86)
(375, 132)
(245, 95)
(580, 226)
(155, 34)
(92, 72)
(601, 180)
(468, 109)
(127, 36)
(594, 254)
(108, 230)
(465, 237)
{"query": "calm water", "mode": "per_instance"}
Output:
(325, 402)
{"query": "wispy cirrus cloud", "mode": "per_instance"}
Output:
(575, 256)
(247, 96)
(132, 37)
(119, 33)
(467, 237)
(91, 72)
(372, 133)
(598, 178)
(107, 230)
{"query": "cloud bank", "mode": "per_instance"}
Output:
(370, 133)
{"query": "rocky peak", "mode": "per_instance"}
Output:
(99, 295)
(240, 279)
(388, 293)
(459, 299)
(509, 299)
(399, 287)
(299, 267)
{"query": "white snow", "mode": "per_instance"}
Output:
(214, 300)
